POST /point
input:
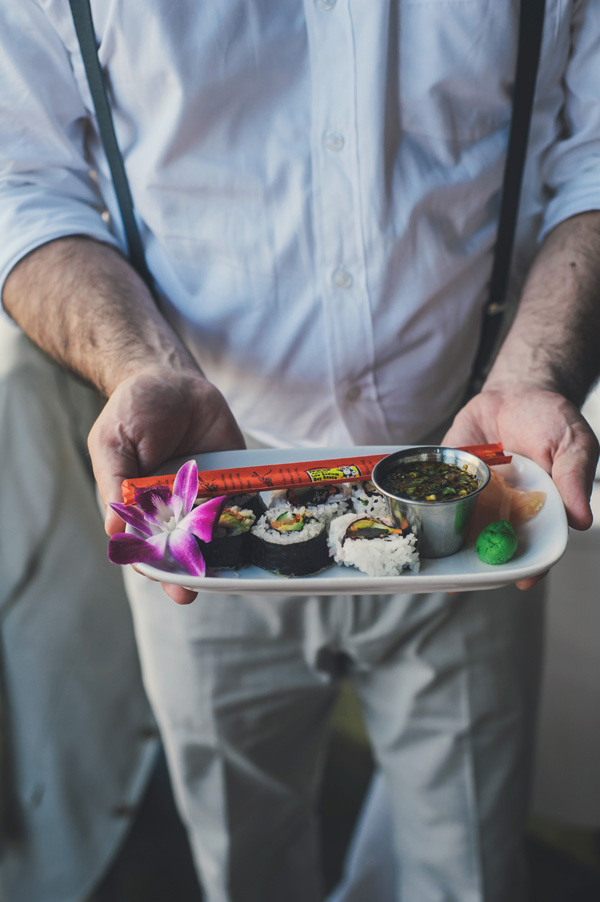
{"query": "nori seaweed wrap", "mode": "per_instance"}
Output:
(324, 500)
(252, 501)
(229, 549)
(289, 542)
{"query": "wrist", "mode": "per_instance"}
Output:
(159, 359)
(552, 344)
(85, 306)
(520, 373)
(504, 377)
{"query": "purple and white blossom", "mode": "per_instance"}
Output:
(168, 523)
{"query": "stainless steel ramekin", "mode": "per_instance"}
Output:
(440, 526)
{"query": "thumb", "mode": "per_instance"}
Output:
(112, 462)
(112, 521)
(573, 472)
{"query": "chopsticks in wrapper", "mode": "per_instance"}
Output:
(242, 480)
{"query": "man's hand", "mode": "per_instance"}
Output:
(543, 426)
(545, 367)
(84, 305)
(151, 417)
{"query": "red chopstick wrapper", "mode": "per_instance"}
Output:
(242, 480)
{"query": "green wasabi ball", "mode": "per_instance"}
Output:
(497, 543)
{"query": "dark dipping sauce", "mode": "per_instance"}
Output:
(430, 480)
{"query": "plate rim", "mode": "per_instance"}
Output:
(348, 580)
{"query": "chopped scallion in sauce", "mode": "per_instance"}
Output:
(430, 480)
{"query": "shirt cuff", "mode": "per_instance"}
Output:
(27, 229)
(579, 195)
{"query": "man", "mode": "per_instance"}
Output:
(317, 190)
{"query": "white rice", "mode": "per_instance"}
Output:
(337, 504)
(387, 556)
(264, 530)
(368, 505)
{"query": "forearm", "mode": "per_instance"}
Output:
(85, 306)
(553, 342)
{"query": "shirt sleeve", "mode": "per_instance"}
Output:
(46, 188)
(572, 169)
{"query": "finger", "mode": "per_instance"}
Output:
(178, 594)
(464, 432)
(112, 461)
(112, 522)
(474, 424)
(137, 570)
(573, 472)
(530, 582)
(110, 470)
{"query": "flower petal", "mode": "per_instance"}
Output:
(176, 505)
(124, 548)
(186, 551)
(147, 498)
(159, 542)
(132, 514)
(202, 520)
(186, 485)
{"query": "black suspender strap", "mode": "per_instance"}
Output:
(531, 25)
(84, 27)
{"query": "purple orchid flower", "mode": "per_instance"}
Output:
(169, 522)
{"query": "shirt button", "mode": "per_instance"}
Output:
(353, 393)
(334, 141)
(342, 278)
(325, 4)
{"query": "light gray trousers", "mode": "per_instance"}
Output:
(243, 688)
(77, 735)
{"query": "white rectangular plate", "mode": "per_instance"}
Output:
(542, 541)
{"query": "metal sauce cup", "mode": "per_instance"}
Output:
(440, 526)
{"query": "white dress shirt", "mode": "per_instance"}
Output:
(317, 183)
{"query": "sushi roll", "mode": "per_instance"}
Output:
(252, 501)
(366, 500)
(228, 549)
(324, 501)
(289, 542)
(373, 545)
